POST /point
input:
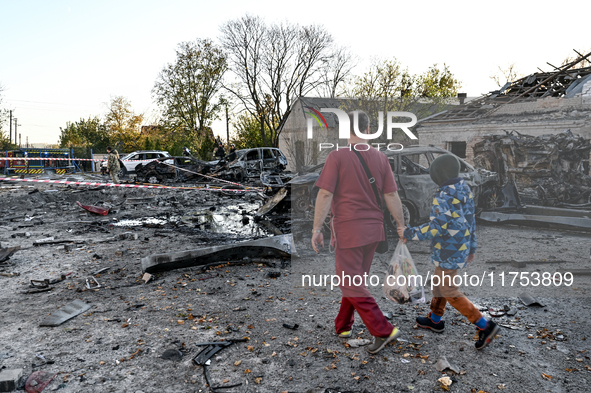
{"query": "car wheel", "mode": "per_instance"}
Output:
(152, 177)
(406, 213)
(122, 172)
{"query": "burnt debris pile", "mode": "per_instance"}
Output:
(551, 170)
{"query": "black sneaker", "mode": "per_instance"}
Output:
(486, 336)
(427, 323)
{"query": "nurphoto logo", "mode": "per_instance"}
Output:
(344, 125)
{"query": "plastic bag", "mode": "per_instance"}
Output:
(403, 284)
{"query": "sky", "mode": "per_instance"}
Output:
(61, 61)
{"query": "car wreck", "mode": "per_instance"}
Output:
(181, 169)
(249, 163)
(415, 187)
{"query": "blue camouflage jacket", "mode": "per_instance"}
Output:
(452, 226)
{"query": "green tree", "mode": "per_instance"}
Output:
(89, 133)
(387, 86)
(123, 125)
(187, 93)
(247, 132)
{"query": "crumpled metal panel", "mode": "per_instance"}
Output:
(276, 246)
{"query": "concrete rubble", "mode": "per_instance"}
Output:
(139, 325)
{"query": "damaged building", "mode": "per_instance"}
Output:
(551, 170)
(539, 104)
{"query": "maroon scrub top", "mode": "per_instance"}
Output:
(357, 219)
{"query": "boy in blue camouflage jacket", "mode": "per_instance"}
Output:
(453, 245)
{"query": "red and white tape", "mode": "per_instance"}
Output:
(57, 159)
(95, 184)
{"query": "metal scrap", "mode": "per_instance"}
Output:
(6, 253)
(281, 246)
(551, 170)
(203, 359)
(541, 216)
(65, 313)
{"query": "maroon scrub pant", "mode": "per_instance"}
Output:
(351, 262)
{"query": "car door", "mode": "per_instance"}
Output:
(133, 161)
(252, 162)
(269, 159)
(416, 183)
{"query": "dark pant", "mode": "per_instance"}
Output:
(447, 292)
(351, 262)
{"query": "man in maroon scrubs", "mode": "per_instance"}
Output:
(357, 227)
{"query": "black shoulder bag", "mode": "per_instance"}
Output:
(383, 245)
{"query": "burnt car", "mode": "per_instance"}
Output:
(175, 169)
(251, 163)
(415, 187)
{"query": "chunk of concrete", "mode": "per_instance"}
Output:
(9, 379)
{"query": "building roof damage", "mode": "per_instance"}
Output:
(564, 82)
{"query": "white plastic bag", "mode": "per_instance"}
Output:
(402, 282)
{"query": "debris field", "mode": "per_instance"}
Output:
(246, 324)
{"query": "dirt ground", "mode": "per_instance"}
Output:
(117, 345)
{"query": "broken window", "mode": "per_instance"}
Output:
(457, 148)
(415, 164)
(268, 154)
(252, 155)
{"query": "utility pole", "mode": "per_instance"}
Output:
(10, 139)
(227, 125)
(15, 128)
(19, 140)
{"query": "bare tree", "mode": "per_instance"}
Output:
(505, 75)
(275, 64)
(584, 63)
(336, 72)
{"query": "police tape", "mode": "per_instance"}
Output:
(60, 159)
(91, 159)
(96, 184)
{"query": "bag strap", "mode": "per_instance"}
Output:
(371, 179)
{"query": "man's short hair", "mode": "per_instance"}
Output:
(363, 121)
(109, 148)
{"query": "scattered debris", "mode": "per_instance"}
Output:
(94, 209)
(6, 253)
(147, 277)
(278, 246)
(547, 169)
(530, 300)
(356, 343)
(292, 327)
(92, 283)
(203, 358)
(38, 381)
(445, 381)
(542, 216)
(9, 379)
(172, 354)
(443, 364)
(65, 313)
